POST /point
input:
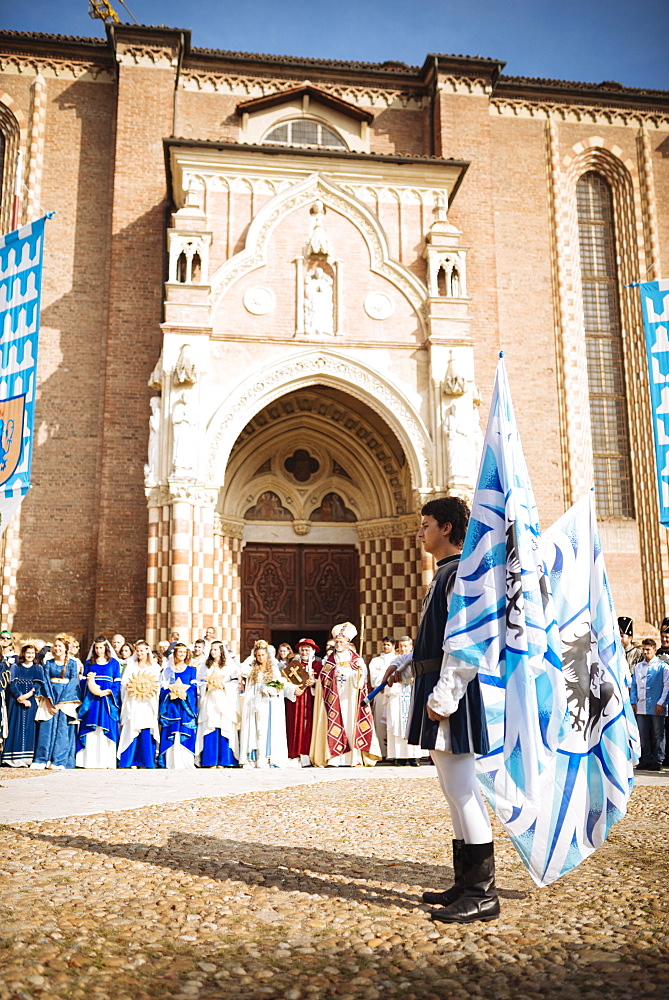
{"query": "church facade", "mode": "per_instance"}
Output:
(275, 293)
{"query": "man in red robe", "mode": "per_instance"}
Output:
(300, 713)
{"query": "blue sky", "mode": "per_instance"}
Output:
(588, 40)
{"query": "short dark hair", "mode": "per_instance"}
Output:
(649, 642)
(449, 510)
(388, 638)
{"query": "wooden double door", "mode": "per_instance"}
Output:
(290, 591)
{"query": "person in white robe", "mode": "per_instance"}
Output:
(219, 716)
(398, 706)
(377, 671)
(343, 729)
(263, 732)
(140, 686)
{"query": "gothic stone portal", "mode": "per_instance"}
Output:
(291, 589)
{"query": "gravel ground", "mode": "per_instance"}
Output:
(314, 891)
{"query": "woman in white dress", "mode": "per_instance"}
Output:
(140, 685)
(263, 734)
(219, 716)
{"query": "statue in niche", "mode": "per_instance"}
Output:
(185, 371)
(318, 302)
(151, 467)
(185, 436)
(319, 244)
(459, 433)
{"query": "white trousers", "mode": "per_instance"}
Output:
(457, 777)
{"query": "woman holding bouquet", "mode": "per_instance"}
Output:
(217, 743)
(263, 734)
(140, 684)
(178, 710)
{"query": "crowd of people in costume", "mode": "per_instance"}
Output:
(126, 705)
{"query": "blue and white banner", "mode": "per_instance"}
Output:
(655, 306)
(589, 781)
(535, 614)
(502, 620)
(20, 290)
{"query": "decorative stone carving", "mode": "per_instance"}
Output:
(394, 527)
(335, 370)
(319, 242)
(446, 261)
(379, 305)
(199, 496)
(301, 527)
(259, 300)
(156, 377)
(318, 302)
(189, 256)
(185, 371)
(184, 436)
(151, 468)
(260, 231)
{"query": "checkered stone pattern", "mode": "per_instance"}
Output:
(391, 590)
(11, 540)
(162, 558)
(227, 589)
(36, 149)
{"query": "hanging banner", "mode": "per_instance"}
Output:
(20, 290)
(655, 306)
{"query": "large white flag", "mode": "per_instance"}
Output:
(591, 777)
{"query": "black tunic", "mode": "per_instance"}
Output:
(467, 724)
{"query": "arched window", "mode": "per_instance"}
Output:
(603, 341)
(305, 132)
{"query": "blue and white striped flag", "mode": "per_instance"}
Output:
(20, 290)
(590, 779)
(655, 307)
(502, 619)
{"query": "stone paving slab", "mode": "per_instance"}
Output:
(38, 795)
(81, 792)
(313, 891)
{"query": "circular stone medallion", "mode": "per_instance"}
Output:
(259, 300)
(378, 305)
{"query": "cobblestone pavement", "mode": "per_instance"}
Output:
(314, 891)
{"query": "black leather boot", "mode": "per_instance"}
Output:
(479, 900)
(449, 896)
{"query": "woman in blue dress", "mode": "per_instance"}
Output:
(100, 707)
(24, 678)
(178, 710)
(58, 697)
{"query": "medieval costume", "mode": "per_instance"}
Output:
(100, 708)
(178, 710)
(343, 730)
(263, 733)
(457, 735)
(397, 705)
(377, 671)
(58, 697)
(217, 743)
(24, 678)
(300, 712)
(140, 686)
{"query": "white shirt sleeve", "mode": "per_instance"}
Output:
(451, 686)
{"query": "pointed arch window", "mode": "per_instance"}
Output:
(604, 348)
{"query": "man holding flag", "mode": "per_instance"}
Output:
(558, 770)
(452, 742)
